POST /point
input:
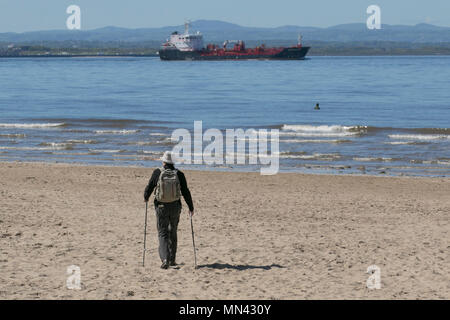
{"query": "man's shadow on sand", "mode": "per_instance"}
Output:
(238, 267)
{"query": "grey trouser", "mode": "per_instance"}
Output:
(167, 218)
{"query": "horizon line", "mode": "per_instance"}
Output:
(232, 23)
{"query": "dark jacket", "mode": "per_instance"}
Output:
(183, 186)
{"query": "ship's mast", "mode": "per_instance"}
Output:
(187, 24)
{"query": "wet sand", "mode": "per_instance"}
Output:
(289, 236)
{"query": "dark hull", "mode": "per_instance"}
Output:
(285, 54)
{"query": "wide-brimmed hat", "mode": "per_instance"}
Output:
(167, 157)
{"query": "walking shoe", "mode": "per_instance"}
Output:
(172, 263)
(165, 265)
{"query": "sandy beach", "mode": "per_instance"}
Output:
(288, 236)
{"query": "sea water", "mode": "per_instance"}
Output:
(378, 115)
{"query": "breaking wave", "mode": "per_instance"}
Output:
(373, 159)
(163, 142)
(13, 135)
(31, 125)
(407, 142)
(321, 131)
(151, 152)
(43, 148)
(315, 156)
(57, 145)
(158, 134)
(419, 136)
(116, 131)
(315, 141)
(107, 150)
(82, 141)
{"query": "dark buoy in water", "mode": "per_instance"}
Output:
(317, 107)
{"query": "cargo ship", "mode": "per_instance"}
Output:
(189, 46)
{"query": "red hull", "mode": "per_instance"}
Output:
(242, 53)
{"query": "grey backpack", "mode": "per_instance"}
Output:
(168, 188)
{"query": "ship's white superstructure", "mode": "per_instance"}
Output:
(186, 41)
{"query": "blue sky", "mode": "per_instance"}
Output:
(33, 15)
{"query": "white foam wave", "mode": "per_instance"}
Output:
(399, 142)
(31, 125)
(116, 131)
(320, 131)
(419, 136)
(31, 148)
(315, 156)
(314, 141)
(158, 134)
(141, 143)
(256, 139)
(321, 128)
(106, 150)
(165, 141)
(57, 145)
(294, 140)
(82, 141)
(370, 159)
(152, 152)
(252, 155)
(13, 135)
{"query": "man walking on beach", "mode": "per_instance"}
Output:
(169, 184)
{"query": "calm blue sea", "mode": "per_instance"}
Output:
(379, 115)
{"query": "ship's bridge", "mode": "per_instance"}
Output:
(187, 41)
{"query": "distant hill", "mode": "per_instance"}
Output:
(217, 31)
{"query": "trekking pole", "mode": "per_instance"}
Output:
(145, 235)
(193, 243)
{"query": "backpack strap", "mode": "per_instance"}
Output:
(161, 170)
